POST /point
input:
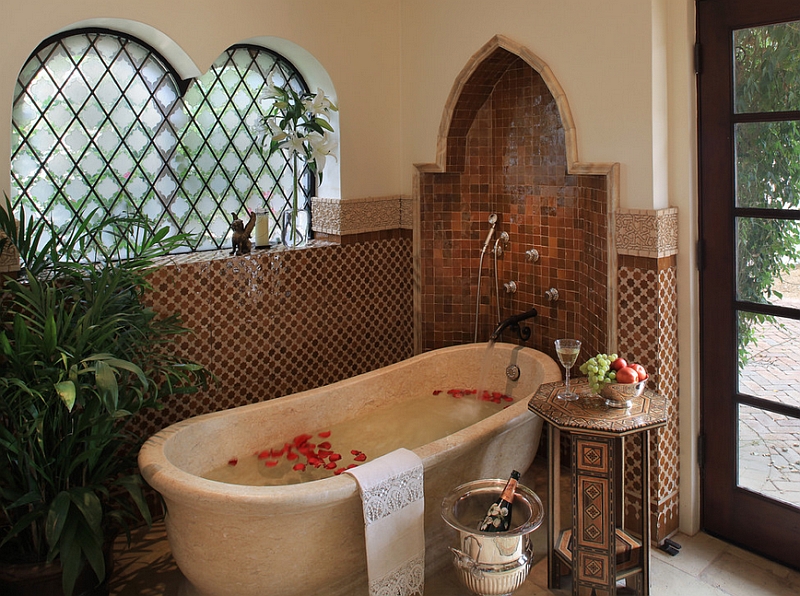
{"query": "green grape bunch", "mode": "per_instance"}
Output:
(598, 370)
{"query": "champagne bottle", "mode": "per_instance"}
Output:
(498, 518)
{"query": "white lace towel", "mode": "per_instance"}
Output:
(391, 492)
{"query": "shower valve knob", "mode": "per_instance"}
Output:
(551, 295)
(510, 287)
(532, 255)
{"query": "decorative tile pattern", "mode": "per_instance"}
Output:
(282, 320)
(357, 216)
(506, 155)
(590, 414)
(648, 293)
(645, 233)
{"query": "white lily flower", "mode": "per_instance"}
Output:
(321, 147)
(271, 91)
(319, 104)
(296, 144)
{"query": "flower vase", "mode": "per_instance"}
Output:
(294, 228)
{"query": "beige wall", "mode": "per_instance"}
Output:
(625, 66)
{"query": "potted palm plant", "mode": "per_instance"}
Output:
(81, 356)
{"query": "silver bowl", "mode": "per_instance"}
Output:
(621, 395)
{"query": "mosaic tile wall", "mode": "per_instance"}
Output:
(506, 155)
(280, 321)
(648, 290)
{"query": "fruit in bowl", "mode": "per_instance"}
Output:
(615, 378)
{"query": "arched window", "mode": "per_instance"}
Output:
(102, 122)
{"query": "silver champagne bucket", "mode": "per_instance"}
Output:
(491, 563)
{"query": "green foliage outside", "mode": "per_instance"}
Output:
(766, 79)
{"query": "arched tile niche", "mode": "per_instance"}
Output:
(506, 145)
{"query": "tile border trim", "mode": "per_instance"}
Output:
(647, 232)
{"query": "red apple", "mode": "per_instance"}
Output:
(618, 364)
(627, 375)
(640, 370)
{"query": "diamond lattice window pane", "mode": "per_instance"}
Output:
(107, 91)
(59, 165)
(77, 188)
(123, 117)
(137, 186)
(166, 96)
(151, 116)
(218, 184)
(42, 91)
(76, 91)
(92, 69)
(76, 140)
(165, 140)
(166, 186)
(206, 162)
(231, 162)
(192, 140)
(60, 116)
(91, 115)
(108, 188)
(42, 192)
(25, 166)
(98, 122)
(25, 113)
(138, 141)
(107, 140)
(42, 141)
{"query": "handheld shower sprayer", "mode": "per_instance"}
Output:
(493, 223)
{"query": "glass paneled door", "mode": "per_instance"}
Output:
(749, 147)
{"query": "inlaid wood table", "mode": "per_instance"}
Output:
(597, 548)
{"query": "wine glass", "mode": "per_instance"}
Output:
(568, 350)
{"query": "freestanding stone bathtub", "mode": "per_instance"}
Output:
(309, 538)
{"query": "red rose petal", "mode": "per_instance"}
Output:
(339, 471)
(271, 463)
(323, 453)
(437, 391)
(325, 445)
(360, 457)
(291, 456)
(330, 465)
(355, 452)
(351, 466)
(264, 454)
(299, 467)
(233, 461)
(325, 434)
(301, 439)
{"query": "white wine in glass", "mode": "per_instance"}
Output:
(568, 350)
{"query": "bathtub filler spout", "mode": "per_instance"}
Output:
(513, 322)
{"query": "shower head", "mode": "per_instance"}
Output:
(493, 223)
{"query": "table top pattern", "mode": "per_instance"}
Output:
(589, 414)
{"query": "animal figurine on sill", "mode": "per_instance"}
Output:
(241, 242)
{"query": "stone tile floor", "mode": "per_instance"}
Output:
(705, 566)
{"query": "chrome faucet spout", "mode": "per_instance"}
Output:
(513, 322)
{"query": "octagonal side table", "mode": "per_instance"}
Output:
(597, 548)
